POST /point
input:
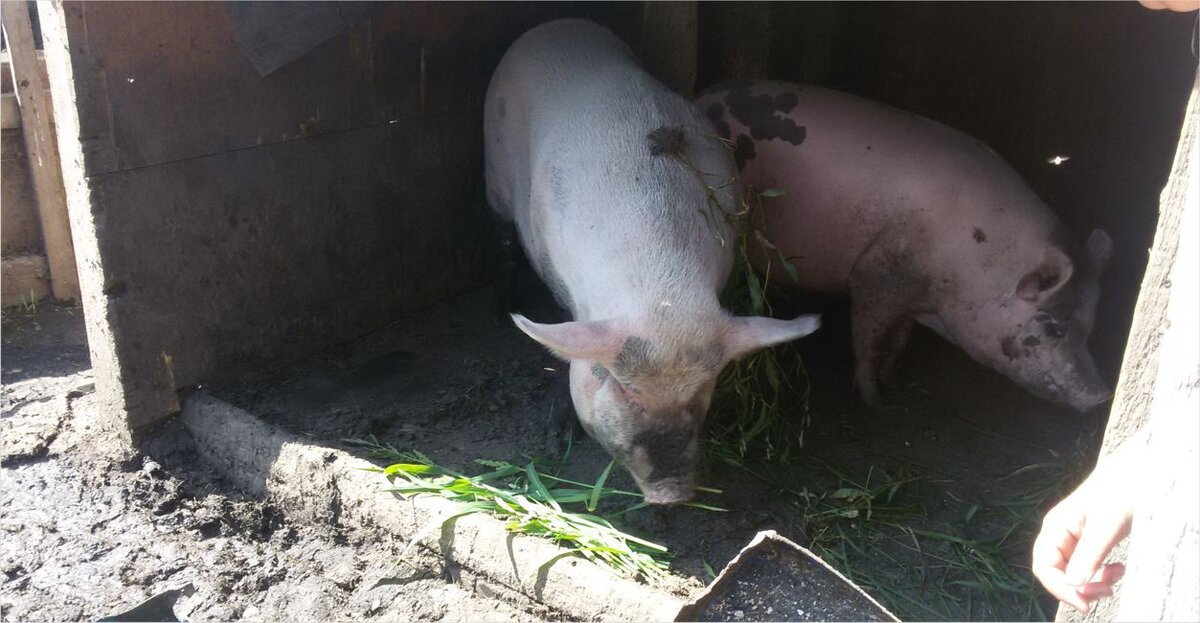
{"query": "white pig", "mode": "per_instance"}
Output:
(619, 190)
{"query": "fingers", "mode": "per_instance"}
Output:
(1101, 585)
(1101, 533)
(1171, 5)
(1055, 544)
(1081, 597)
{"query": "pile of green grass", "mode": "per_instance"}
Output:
(533, 502)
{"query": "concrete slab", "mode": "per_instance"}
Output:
(325, 485)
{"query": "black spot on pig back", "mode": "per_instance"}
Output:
(743, 151)
(716, 114)
(667, 141)
(785, 102)
(979, 236)
(762, 114)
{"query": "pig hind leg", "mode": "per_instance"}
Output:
(884, 289)
(896, 339)
(878, 336)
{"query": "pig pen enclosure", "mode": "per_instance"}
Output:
(278, 213)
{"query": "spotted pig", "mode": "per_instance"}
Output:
(917, 223)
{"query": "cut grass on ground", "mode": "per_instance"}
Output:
(882, 530)
(533, 502)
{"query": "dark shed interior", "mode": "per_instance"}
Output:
(232, 217)
(244, 219)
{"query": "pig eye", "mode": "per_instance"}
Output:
(628, 391)
(1053, 328)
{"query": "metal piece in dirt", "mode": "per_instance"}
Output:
(160, 607)
(774, 579)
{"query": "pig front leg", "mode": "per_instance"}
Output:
(562, 425)
(884, 289)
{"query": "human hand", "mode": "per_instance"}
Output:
(1179, 6)
(1080, 531)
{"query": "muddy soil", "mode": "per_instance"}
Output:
(455, 384)
(85, 537)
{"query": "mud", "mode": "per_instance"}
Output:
(85, 536)
(449, 383)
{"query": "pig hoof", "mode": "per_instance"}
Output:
(561, 431)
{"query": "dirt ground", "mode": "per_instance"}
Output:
(451, 383)
(85, 537)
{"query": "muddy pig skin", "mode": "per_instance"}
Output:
(917, 223)
(604, 172)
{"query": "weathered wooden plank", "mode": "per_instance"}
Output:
(6, 85)
(167, 81)
(273, 34)
(228, 262)
(1156, 405)
(44, 166)
(69, 92)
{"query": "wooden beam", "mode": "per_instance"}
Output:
(1155, 411)
(30, 87)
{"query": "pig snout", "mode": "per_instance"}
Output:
(663, 461)
(668, 492)
(1080, 386)
(1052, 361)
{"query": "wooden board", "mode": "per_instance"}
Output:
(175, 84)
(44, 167)
(220, 264)
(1156, 405)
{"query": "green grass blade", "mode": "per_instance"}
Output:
(594, 499)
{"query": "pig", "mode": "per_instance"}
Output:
(916, 222)
(619, 191)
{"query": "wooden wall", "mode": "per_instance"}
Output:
(226, 220)
(1105, 83)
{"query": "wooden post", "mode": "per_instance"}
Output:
(44, 166)
(1158, 395)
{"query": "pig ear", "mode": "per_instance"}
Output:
(1099, 249)
(748, 334)
(595, 340)
(1047, 278)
